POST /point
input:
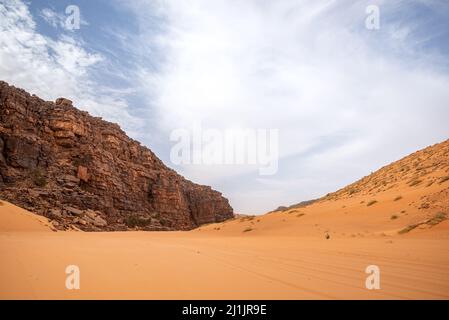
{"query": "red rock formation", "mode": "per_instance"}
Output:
(79, 170)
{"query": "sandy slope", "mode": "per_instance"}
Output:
(395, 218)
(16, 219)
(219, 264)
(352, 217)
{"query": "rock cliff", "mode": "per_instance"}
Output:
(82, 171)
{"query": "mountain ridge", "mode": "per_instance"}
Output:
(80, 170)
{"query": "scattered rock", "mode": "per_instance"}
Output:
(100, 222)
(63, 101)
(74, 211)
(91, 214)
(55, 213)
(82, 174)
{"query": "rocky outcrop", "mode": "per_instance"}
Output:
(82, 171)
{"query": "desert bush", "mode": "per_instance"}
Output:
(408, 228)
(165, 222)
(398, 198)
(156, 215)
(371, 203)
(444, 179)
(414, 182)
(394, 217)
(439, 217)
(136, 221)
(424, 205)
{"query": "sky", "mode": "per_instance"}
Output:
(344, 99)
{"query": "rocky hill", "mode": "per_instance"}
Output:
(83, 172)
(421, 169)
(407, 198)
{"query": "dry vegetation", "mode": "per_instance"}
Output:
(436, 219)
(371, 203)
(417, 168)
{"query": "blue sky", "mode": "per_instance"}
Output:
(346, 100)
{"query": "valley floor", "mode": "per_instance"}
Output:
(183, 265)
(282, 255)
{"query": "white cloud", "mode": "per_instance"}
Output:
(346, 100)
(58, 19)
(54, 68)
(308, 68)
(52, 17)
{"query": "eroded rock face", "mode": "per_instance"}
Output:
(81, 171)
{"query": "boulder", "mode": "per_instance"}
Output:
(74, 211)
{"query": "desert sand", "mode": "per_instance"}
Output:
(395, 218)
(272, 261)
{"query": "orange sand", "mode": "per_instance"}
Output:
(280, 255)
(283, 257)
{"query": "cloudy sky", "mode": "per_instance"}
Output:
(345, 100)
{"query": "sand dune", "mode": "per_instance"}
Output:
(395, 218)
(13, 218)
(220, 264)
(353, 217)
